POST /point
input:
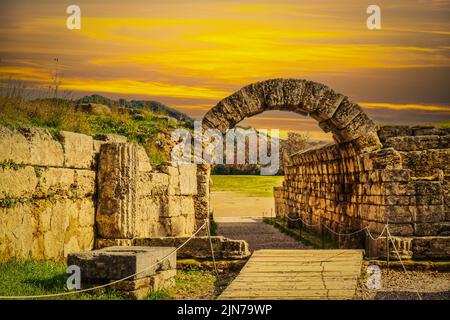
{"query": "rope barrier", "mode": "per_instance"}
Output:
(366, 228)
(110, 283)
(343, 234)
(207, 224)
(303, 221)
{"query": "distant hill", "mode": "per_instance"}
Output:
(151, 105)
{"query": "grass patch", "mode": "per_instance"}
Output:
(305, 235)
(43, 277)
(145, 127)
(191, 283)
(9, 164)
(253, 186)
(19, 278)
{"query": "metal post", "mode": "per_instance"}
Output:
(322, 233)
(387, 245)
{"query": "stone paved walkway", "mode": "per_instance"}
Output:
(258, 234)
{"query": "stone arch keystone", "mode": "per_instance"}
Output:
(333, 111)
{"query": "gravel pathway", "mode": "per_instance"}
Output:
(397, 285)
(258, 234)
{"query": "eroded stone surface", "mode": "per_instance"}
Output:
(346, 120)
(115, 263)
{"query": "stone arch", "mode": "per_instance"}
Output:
(334, 111)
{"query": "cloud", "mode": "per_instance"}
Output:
(408, 106)
(191, 54)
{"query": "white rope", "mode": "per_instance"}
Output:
(343, 234)
(303, 221)
(366, 228)
(379, 236)
(401, 261)
(107, 284)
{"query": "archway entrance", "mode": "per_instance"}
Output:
(333, 111)
(349, 125)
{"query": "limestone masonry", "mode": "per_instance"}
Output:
(60, 194)
(69, 192)
(372, 176)
(139, 265)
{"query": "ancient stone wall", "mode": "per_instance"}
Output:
(405, 184)
(47, 187)
(64, 193)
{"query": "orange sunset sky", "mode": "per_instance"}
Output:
(189, 54)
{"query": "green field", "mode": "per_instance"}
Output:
(254, 186)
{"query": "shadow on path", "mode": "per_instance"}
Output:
(258, 234)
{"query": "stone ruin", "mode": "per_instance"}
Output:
(145, 269)
(72, 192)
(371, 176)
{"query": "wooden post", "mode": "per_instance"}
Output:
(300, 225)
(339, 237)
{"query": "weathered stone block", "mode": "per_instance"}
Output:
(345, 113)
(78, 150)
(386, 132)
(386, 158)
(413, 143)
(153, 184)
(142, 159)
(153, 283)
(17, 183)
(199, 247)
(431, 247)
(117, 194)
(179, 205)
(392, 175)
(115, 263)
(14, 146)
(84, 185)
(188, 179)
(44, 149)
(358, 127)
(17, 227)
(174, 179)
(398, 214)
(428, 187)
(64, 182)
(148, 223)
(430, 213)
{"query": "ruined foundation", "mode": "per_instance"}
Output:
(404, 184)
(108, 265)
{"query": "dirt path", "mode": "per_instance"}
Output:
(258, 234)
(234, 204)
